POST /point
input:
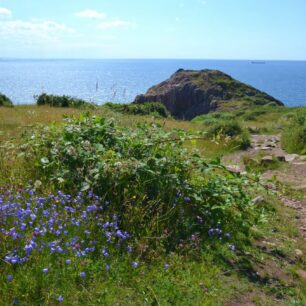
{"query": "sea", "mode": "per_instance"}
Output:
(103, 81)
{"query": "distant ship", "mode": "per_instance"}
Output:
(258, 62)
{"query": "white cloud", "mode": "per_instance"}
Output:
(114, 24)
(91, 14)
(5, 12)
(30, 31)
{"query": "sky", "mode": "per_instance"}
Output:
(186, 29)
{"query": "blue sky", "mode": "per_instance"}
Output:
(206, 29)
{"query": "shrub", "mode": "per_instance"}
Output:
(155, 108)
(5, 101)
(156, 187)
(225, 128)
(61, 101)
(239, 136)
(293, 138)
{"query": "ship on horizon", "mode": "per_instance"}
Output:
(258, 62)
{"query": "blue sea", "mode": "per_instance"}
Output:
(121, 80)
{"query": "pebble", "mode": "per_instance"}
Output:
(298, 253)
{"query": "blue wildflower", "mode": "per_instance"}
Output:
(135, 264)
(83, 274)
(187, 199)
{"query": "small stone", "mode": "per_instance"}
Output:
(265, 148)
(258, 199)
(290, 157)
(298, 253)
(267, 160)
(233, 168)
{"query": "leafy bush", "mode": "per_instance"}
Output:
(5, 101)
(61, 101)
(225, 128)
(293, 138)
(222, 129)
(155, 108)
(156, 187)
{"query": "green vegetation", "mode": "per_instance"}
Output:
(110, 209)
(256, 164)
(225, 126)
(62, 101)
(266, 119)
(153, 109)
(5, 101)
(146, 174)
(294, 135)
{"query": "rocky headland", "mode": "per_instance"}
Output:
(189, 93)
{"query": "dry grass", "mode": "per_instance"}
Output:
(18, 117)
(14, 121)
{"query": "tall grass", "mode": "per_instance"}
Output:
(293, 138)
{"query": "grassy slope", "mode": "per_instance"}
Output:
(187, 282)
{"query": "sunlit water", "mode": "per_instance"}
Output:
(122, 80)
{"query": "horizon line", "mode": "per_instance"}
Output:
(148, 58)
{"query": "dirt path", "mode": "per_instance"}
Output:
(292, 173)
(263, 149)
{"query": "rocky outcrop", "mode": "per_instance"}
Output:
(190, 93)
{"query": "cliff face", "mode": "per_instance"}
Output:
(190, 93)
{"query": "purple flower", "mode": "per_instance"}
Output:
(82, 274)
(187, 199)
(9, 278)
(105, 253)
(166, 266)
(211, 232)
(107, 267)
(45, 270)
(68, 261)
(135, 264)
(60, 298)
